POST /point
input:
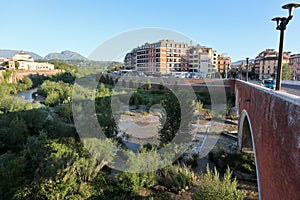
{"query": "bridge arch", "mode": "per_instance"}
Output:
(246, 141)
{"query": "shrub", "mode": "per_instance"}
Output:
(211, 187)
(242, 162)
(199, 105)
(192, 160)
(176, 177)
(161, 85)
(161, 196)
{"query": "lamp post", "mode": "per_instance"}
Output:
(241, 73)
(282, 22)
(247, 68)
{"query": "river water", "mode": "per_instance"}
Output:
(27, 95)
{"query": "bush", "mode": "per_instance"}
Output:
(11, 174)
(212, 188)
(204, 97)
(242, 162)
(176, 177)
(192, 160)
(161, 196)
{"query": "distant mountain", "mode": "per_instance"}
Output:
(65, 55)
(240, 62)
(10, 53)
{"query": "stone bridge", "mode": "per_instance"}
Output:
(269, 124)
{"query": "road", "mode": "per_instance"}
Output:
(290, 88)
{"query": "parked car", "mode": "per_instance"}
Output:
(269, 84)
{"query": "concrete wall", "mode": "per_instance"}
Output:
(275, 122)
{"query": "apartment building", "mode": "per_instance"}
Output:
(201, 59)
(167, 56)
(294, 63)
(223, 63)
(266, 63)
(164, 56)
(130, 60)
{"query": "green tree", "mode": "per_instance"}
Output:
(13, 134)
(27, 82)
(138, 82)
(149, 84)
(105, 116)
(161, 85)
(130, 83)
(4, 64)
(286, 72)
(65, 112)
(178, 118)
(55, 92)
(52, 99)
(11, 174)
(7, 75)
(17, 64)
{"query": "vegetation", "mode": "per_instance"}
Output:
(176, 178)
(286, 72)
(41, 156)
(212, 188)
(242, 162)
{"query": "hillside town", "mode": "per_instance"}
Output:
(24, 61)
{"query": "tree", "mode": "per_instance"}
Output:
(161, 85)
(138, 82)
(27, 82)
(178, 119)
(149, 84)
(130, 83)
(4, 64)
(17, 64)
(11, 169)
(52, 99)
(286, 72)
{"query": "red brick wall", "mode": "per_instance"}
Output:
(275, 122)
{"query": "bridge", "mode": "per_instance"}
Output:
(269, 124)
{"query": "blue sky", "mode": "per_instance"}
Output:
(235, 27)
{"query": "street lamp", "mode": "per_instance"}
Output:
(282, 22)
(247, 68)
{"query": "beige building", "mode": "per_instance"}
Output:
(26, 62)
(22, 56)
(163, 57)
(201, 59)
(25, 65)
(266, 63)
(167, 56)
(294, 63)
(223, 63)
